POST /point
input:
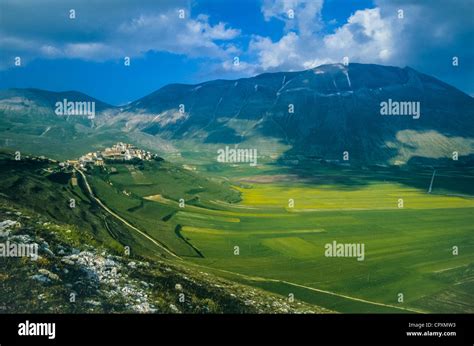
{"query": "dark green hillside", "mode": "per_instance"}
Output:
(149, 194)
(171, 181)
(131, 190)
(81, 254)
(38, 186)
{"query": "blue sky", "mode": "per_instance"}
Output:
(87, 53)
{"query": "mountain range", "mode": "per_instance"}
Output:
(325, 112)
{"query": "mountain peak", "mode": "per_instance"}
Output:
(49, 98)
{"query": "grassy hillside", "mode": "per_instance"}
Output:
(149, 195)
(81, 253)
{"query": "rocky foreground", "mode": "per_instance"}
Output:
(69, 275)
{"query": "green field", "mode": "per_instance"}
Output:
(408, 250)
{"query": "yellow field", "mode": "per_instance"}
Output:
(374, 196)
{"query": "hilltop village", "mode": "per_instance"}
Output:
(120, 152)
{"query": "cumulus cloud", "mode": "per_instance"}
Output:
(276, 54)
(304, 15)
(365, 37)
(427, 36)
(167, 32)
(105, 30)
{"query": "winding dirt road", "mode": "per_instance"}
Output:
(95, 198)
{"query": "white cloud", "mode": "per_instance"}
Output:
(365, 37)
(116, 34)
(50, 51)
(90, 51)
(242, 66)
(167, 32)
(276, 54)
(306, 14)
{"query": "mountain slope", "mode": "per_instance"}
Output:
(336, 108)
(29, 123)
(321, 112)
